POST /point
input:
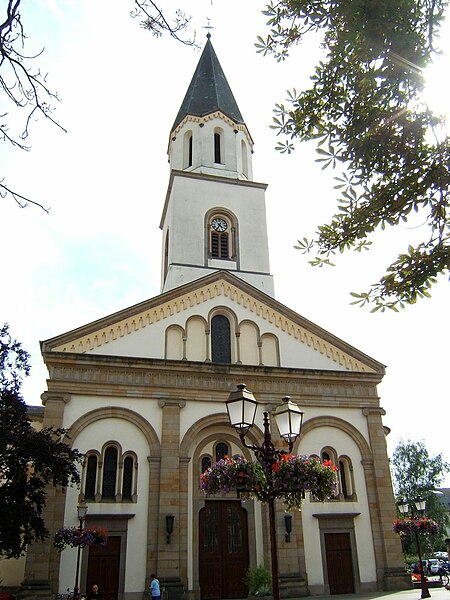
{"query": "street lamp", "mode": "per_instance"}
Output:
(82, 510)
(241, 407)
(403, 507)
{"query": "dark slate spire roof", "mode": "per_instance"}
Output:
(209, 90)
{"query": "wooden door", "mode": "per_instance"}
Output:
(103, 568)
(339, 563)
(223, 550)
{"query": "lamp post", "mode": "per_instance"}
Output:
(241, 407)
(403, 507)
(82, 510)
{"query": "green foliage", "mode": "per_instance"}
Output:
(416, 474)
(29, 459)
(366, 114)
(259, 581)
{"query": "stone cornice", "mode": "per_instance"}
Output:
(152, 378)
(220, 284)
(204, 177)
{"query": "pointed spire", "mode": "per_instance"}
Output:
(209, 90)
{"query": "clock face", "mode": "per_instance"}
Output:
(219, 224)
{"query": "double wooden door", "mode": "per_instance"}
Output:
(223, 550)
(339, 563)
(103, 568)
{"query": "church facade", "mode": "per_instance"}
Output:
(142, 393)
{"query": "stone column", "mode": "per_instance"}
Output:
(390, 566)
(42, 560)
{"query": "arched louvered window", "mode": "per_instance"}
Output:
(219, 244)
(220, 339)
(127, 480)
(91, 478)
(221, 233)
(109, 473)
(222, 450)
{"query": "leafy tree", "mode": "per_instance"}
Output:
(365, 111)
(29, 459)
(416, 474)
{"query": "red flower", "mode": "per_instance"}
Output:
(276, 467)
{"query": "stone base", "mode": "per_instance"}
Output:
(396, 579)
(35, 588)
(171, 588)
(293, 585)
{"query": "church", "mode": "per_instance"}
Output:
(142, 394)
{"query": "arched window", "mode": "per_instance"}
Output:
(118, 474)
(127, 479)
(244, 158)
(91, 478)
(206, 463)
(166, 254)
(187, 149)
(109, 473)
(218, 146)
(329, 453)
(346, 478)
(220, 339)
(222, 450)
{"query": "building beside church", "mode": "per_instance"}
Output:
(142, 393)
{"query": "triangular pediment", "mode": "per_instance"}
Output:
(116, 333)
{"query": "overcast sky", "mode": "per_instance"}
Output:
(99, 249)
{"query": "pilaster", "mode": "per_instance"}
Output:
(42, 560)
(170, 553)
(390, 569)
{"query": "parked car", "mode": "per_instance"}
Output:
(433, 566)
(441, 555)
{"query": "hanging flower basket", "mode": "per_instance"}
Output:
(231, 474)
(287, 479)
(415, 525)
(73, 537)
(294, 475)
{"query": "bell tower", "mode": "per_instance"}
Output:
(214, 216)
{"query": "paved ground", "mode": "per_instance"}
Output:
(436, 594)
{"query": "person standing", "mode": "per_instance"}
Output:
(154, 588)
(95, 593)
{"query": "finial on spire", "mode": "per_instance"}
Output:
(209, 27)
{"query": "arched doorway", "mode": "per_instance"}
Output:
(223, 550)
